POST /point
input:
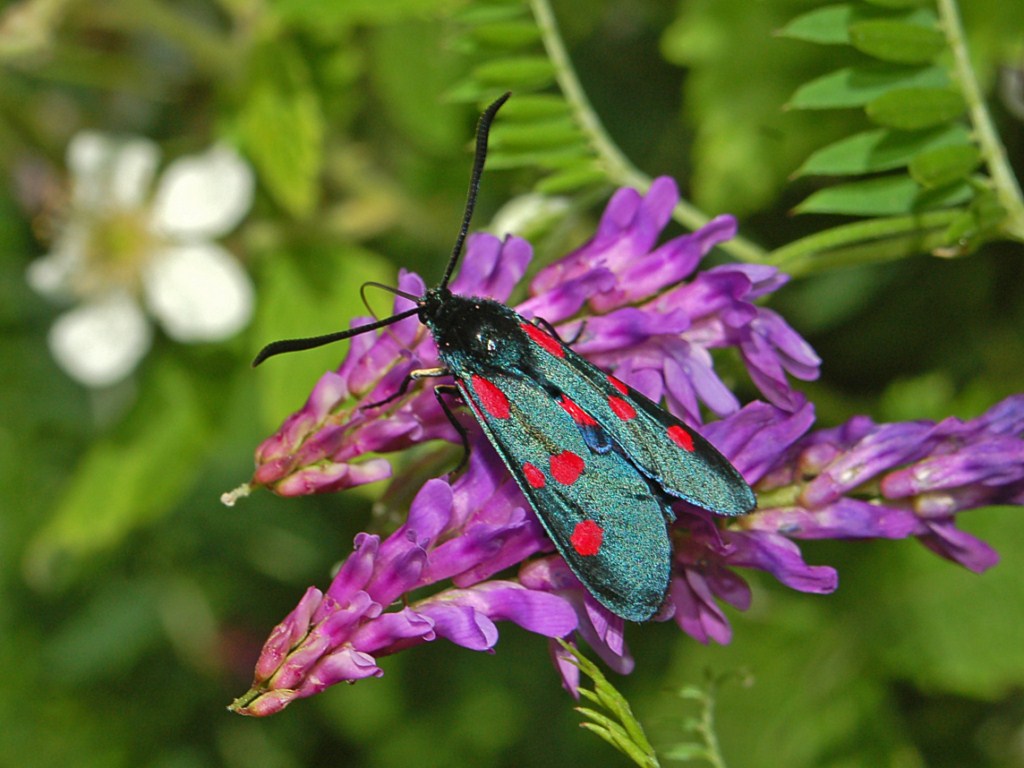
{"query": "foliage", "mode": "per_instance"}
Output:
(616, 724)
(856, 141)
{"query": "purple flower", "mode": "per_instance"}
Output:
(463, 532)
(437, 576)
(867, 480)
(752, 439)
(625, 298)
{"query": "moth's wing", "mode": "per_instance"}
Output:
(675, 457)
(601, 513)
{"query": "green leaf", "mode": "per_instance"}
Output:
(858, 86)
(879, 150)
(621, 743)
(534, 106)
(885, 196)
(488, 13)
(744, 146)
(686, 752)
(527, 72)
(898, 3)
(897, 41)
(322, 14)
(558, 157)
(944, 165)
(469, 91)
(505, 34)
(826, 26)
(282, 127)
(977, 224)
(622, 730)
(911, 109)
(539, 134)
(572, 179)
(831, 25)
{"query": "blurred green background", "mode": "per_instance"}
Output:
(134, 604)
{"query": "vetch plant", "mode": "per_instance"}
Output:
(646, 313)
(861, 288)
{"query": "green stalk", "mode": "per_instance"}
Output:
(1007, 189)
(869, 252)
(891, 238)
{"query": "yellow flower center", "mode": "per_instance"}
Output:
(118, 244)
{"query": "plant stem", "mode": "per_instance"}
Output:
(616, 164)
(1007, 189)
(707, 729)
(872, 240)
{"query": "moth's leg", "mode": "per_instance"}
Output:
(415, 375)
(542, 323)
(451, 389)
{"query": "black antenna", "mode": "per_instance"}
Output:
(388, 288)
(483, 130)
(297, 345)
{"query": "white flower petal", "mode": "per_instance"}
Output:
(100, 343)
(53, 275)
(49, 275)
(111, 172)
(203, 196)
(198, 292)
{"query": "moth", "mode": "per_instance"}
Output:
(599, 463)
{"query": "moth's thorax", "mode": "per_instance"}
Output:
(473, 331)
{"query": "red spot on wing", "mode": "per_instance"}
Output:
(580, 416)
(587, 537)
(680, 437)
(618, 385)
(566, 467)
(533, 475)
(621, 408)
(549, 343)
(491, 398)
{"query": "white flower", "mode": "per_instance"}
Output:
(121, 247)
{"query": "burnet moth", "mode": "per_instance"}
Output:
(599, 463)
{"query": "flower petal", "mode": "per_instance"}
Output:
(696, 611)
(100, 343)
(959, 546)
(287, 635)
(492, 267)
(198, 292)
(111, 172)
(203, 196)
(53, 275)
(463, 625)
